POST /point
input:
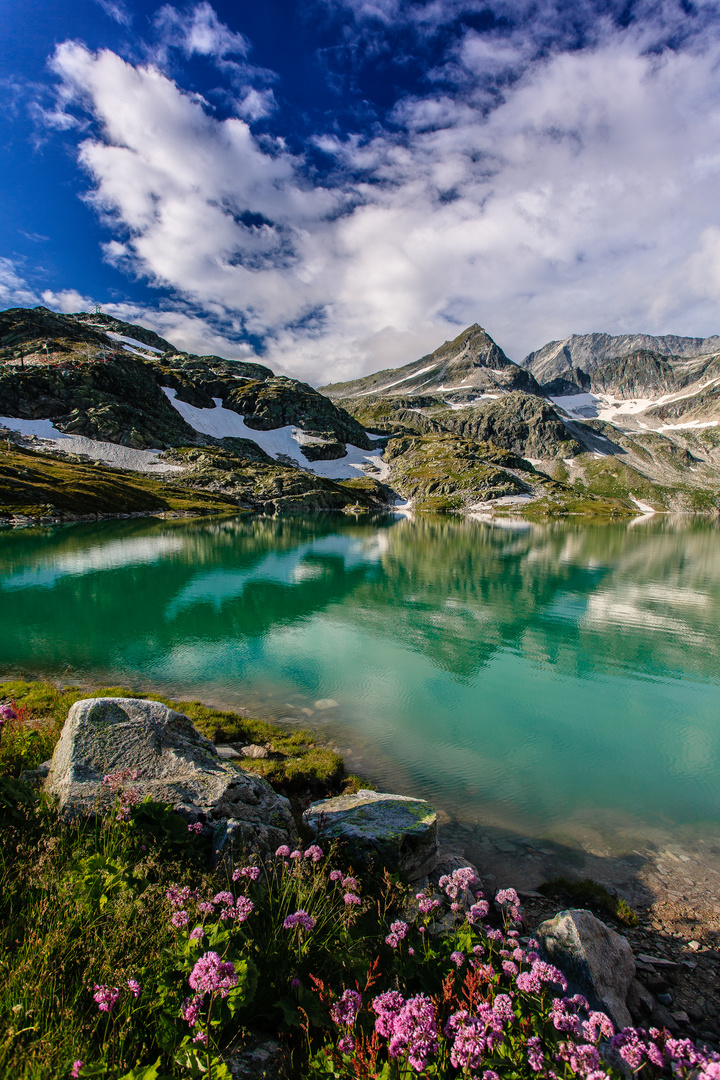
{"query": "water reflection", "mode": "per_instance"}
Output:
(533, 672)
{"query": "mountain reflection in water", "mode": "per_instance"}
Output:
(524, 674)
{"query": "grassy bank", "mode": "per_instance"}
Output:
(40, 485)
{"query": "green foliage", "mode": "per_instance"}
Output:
(593, 895)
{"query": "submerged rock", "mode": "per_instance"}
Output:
(401, 832)
(597, 960)
(157, 752)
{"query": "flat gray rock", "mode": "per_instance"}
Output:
(596, 960)
(400, 831)
(168, 760)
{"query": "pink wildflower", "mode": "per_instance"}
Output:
(283, 851)
(350, 884)
(201, 1037)
(105, 997)
(350, 898)
(536, 1057)
(296, 854)
(134, 987)
(596, 1025)
(180, 920)
(197, 934)
(335, 875)
(223, 898)
(300, 918)
(196, 827)
(179, 897)
(314, 852)
(426, 904)
(457, 958)
(414, 1031)
(211, 974)
(76, 1067)
(191, 1008)
(252, 872)
(346, 1008)
(243, 907)
(346, 1044)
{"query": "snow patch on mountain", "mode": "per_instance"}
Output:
(121, 457)
(283, 442)
(126, 341)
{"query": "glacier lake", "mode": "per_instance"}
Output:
(552, 684)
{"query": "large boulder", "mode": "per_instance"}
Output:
(596, 960)
(398, 831)
(157, 752)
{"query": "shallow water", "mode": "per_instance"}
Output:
(555, 681)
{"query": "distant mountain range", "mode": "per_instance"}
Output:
(593, 424)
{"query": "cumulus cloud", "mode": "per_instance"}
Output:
(540, 193)
(14, 289)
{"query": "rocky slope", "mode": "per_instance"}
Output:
(639, 423)
(463, 427)
(560, 359)
(101, 390)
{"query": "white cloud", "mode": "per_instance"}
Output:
(117, 10)
(579, 195)
(199, 30)
(14, 290)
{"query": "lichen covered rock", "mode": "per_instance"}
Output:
(596, 960)
(158, 753)
(398, 831)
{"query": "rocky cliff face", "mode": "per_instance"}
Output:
(586, 352)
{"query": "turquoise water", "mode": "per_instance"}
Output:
(542, 678)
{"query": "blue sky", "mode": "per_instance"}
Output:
(340, 185)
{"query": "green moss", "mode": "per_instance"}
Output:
(590, 894)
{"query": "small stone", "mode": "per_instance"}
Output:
(226, 753)
(401, 831)
(665, 999)
(694, 945)
(327, 703)
(254, 751)
(639, 1000)
(681, 1017)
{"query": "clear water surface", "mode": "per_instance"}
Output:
(546, 679)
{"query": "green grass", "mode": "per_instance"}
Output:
(39, 485)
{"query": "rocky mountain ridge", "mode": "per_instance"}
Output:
(461, 428)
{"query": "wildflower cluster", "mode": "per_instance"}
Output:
(499, 1009)
(127, 797)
